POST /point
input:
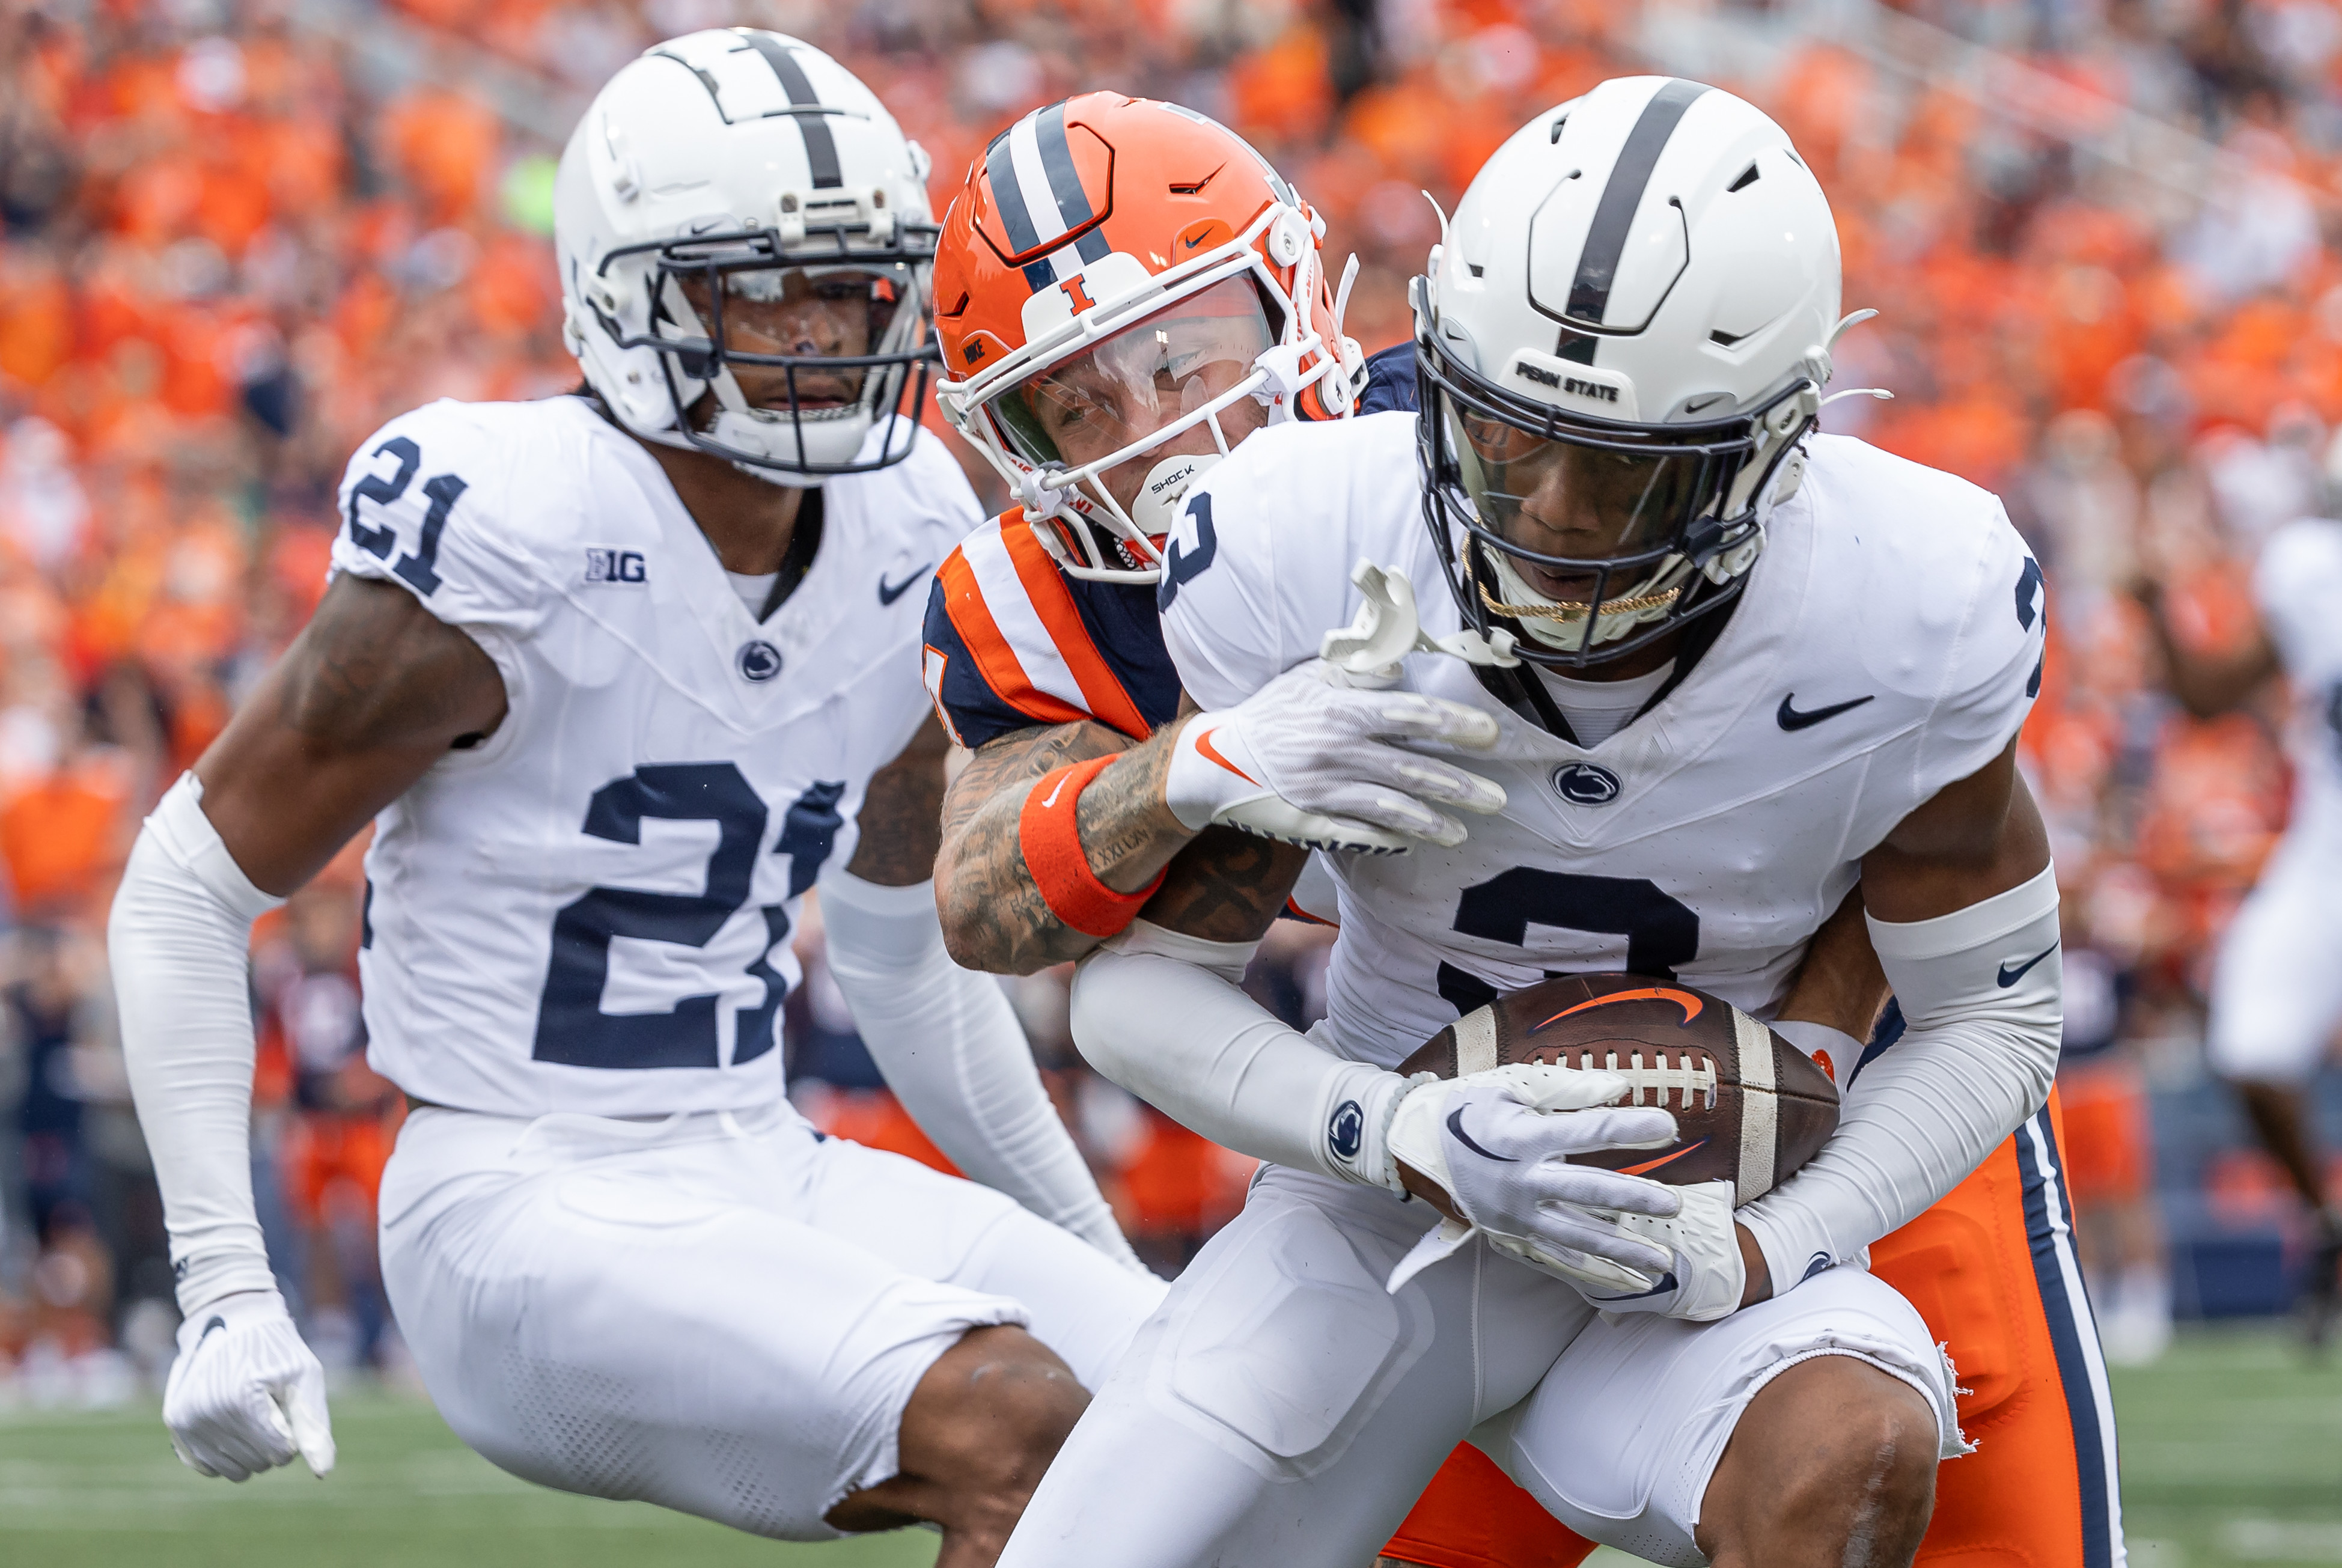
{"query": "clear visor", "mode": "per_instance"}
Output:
(1569, 502)
(768, 322)
(1148, 375)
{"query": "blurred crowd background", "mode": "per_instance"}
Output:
(237, 234)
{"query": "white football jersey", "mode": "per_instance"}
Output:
(1889, 642)
(2299, 584)
(590, 910)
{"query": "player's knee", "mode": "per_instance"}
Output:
(986, 1422)
(1835, 1462)
(1870, 1482)
(1884, 1445)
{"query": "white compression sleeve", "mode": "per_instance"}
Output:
(1162, 1014)
(178, 941)
(953, 1053)
(1982, 998)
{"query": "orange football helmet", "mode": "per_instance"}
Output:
(1121, 279)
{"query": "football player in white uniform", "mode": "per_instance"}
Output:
(1734, 668)
(619, 676)
(2277, 993)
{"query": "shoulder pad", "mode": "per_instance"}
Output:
(425, 503)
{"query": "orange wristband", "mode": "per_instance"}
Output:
(1052, 843)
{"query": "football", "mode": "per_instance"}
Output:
(1750, 1108)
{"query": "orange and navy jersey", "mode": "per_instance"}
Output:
(1013, 642)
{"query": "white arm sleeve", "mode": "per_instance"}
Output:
(1161, 1014)
(1981, 993)
(178, 941)
(956, 1056)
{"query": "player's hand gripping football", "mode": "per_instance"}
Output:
(246, 1395)
(1704, 1278)
(1495, 1146)
(1312, 762)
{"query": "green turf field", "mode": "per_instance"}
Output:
(2232, 1448)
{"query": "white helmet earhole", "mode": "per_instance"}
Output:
(1288, 238)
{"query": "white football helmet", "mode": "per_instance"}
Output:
(745, 164)
(1622, 338)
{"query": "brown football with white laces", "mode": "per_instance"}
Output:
(1750, 1108)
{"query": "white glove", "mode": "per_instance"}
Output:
(245, 1395)
(1311, 762)
(1496, 1142)
(1704, 1278)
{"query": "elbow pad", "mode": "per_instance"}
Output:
(953, 1053)
(178, 941)
(1981, 992)
(1162, 1014)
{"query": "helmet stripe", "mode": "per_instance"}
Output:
(1007, 195)
(1032, 176)
(1058, 162)
(821, 147)
(1614, 215)
(1037, 191)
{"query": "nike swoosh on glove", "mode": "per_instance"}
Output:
(1312, 762)
(1705, 1276)
(1497, 1143)
(245, 1395)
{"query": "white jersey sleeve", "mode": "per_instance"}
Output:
(1257, 570)
(1987, 596)
(420, 503)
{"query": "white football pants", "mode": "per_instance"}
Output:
(720, 1312)
(1281, 1410)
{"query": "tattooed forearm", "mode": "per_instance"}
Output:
(1227, 886)
(1223, 885)
(1127, 832)
(994, 916)
(902, 814)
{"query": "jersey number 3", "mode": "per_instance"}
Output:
(1661, 932)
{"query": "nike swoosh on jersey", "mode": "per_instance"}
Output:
(1456, 1125)
(1791, 719)
(2009, 977)
(1204, 744)
(217, 1322)
(887, 594)
(1648, 1166)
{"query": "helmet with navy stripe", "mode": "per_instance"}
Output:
(1124, 289)
(1622, 340)
(744, 244)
